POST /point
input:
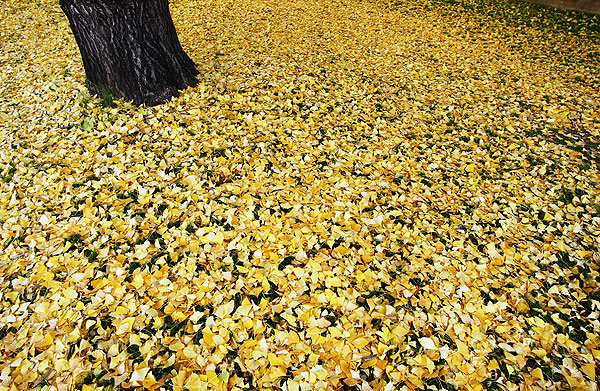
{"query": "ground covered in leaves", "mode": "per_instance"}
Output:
(358, 195)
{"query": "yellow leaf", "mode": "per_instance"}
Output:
(204, 287)
(276, 372)
(245, 308)
(150, 381)
(351, 382)
(70, 293)
(176, 345)
(113, 350)
(590, 370)
(369, 363)
(427, 343)
(47, 341)
(462, 349)
(219, 340)
(537, 374)
(429, 364)
(400, 331)
(265, 285)
(574, 382)
(333, 282)
(334, 332)
(139, 375)
(193, 382)
(138, 281)
(541, 353)
(360, 342)
(42, 307)
(292, 385)
(213, 378)
(134, 339)
(125, 326)
(275, 360)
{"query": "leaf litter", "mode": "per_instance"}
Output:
(358, 195)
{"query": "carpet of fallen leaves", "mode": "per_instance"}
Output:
(358, 195)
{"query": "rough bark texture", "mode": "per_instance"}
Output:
(130, 49)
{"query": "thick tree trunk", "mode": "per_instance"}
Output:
(130, 48)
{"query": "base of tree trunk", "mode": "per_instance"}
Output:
(130, 49)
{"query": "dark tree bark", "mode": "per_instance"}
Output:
(130, 48)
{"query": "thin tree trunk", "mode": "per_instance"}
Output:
(130, 49)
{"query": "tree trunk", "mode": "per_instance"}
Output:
(130, 49)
